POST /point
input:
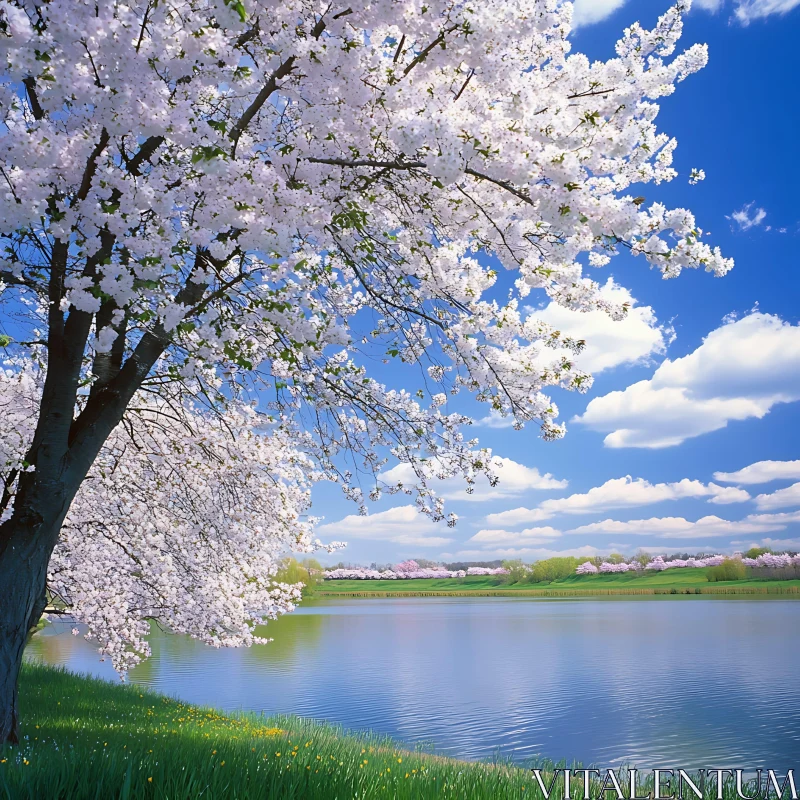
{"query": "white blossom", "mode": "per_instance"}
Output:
(183, 520)
(262, 200)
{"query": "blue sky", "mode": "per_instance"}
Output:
(703, 378)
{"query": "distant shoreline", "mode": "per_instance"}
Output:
(772, 590)
(679, 581)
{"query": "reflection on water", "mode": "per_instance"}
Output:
(692, 683)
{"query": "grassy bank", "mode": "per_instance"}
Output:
(87, 739)
(687, 580)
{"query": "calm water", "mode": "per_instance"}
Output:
(693, 683)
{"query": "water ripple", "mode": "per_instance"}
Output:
(689, 683)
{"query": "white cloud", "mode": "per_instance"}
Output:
(781, 544)
(494, 420)
(741, 370)
(782, 518)
(624, 492)
(402, 525)
(587, 12)
(745, 220)
(529, 536)
(609, 344)
(661, 548)
(514, 479)
(678, 527)
(517, 516)
(782, 498)
(761, 472)
(530, 553)
(748, 10)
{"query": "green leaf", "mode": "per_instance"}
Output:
(207, 153)
(238, 7)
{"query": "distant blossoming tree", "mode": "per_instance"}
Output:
(407, 566)
(211, 196)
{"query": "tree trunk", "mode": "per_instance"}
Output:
(24, 555)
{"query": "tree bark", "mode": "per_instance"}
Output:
(25, 548)
(61, 454)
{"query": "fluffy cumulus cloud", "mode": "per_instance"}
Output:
(748, 10)
(782, 518)
(494, 420)
(587, 12)
(740, 371)
(402, 525)
(779, 545)
(782, 498)
(678, 527)
(761, 472)
(624, 492)
(635, 339)
(504, 538)
(514, 479)
(748, 217)
(526, 553)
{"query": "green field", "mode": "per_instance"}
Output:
(688, 580)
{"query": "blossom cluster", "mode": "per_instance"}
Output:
(773, 560)
(243, 179)
(607, 566)
(658, 563)
(183, 520)
(216, 198)
(403, 571)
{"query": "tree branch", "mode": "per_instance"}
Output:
(269, 87)
(406, 165)
(33, 99)
(106, 366)
(366, 162)
(272, 82)
(91, 165)
(423, 54)
(104, 410)
(145, 153)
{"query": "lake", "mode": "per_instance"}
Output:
(655, 682)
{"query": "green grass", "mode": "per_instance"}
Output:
(86, 739)
(688, 580)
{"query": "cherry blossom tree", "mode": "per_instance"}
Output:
(183, 519)
(214, 197)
